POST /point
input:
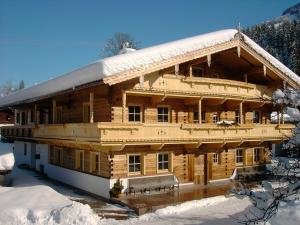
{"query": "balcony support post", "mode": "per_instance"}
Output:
(282, 116)
(241, 113)
(200, 111)
(91, 107)
(54, 111)
(123, 106)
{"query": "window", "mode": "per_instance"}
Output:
(256, 117)
(239, 156)
(216, 158)
(215, 118)
(80, 160)
(18, 118)
(58, 155)
(196, 117)
(134, 164)
(197, 71)
(237, 116)
(25, 149)
(95, 162)
(163, 114)
(31, 117)
(134, 113)
(23, 118)
(256, 154)
(163, 161)
(86, 112)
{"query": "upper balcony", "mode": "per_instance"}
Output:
(119, 135)
(172, 85)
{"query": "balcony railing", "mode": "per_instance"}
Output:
(206, 87)
(113, 133)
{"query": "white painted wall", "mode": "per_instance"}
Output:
(93, 184)
(20, 158)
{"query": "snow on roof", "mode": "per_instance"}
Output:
(114, 65)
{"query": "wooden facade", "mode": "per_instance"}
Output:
(172, 118)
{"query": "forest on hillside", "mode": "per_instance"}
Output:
(281, 39)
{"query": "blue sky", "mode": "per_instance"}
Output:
(42, 39)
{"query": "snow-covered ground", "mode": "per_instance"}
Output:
(6, 156)
(34, 201)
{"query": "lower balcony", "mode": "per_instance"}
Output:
(113, 134)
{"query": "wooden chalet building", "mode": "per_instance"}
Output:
(197, 108)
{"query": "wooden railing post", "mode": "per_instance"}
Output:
(241, 113)
(123, 106)
(200, 111)
(91, 107)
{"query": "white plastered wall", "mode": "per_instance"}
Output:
(20, 157)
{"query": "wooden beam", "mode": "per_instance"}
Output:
(91, 107)
(53, 111)
(241, 113)
(239, 51)
(209, 60)
(123, 106)
(177, 69)
(265, 70)
(157, 146)
(200, 111)
(193, 146)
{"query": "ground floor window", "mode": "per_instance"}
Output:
(134, 163)
(80, 160)
(256, 154)
(56, 155)
(216, 158)
(95, 162)
(239, 156)
(163, 161)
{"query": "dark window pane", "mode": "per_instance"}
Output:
(137, 159)
(131, 159)
(160, 166)
(166, 165)
(160, 157)
(137, 109)
(165, 118)
(131, 117)
(131, 168)
(159, 110)
(137, 117)
(131, 109)
(137, 167)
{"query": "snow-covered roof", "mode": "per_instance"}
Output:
(116, 65)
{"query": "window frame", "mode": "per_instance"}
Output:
(79, 165)
(94, 164)
(217, 116)
(169, 118)
(216, 158)
(237, 156)
(140, 114)
(134, 164)
(163, 162)
(255, 156)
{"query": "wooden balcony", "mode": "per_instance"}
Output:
(113, 134)
(172, 85)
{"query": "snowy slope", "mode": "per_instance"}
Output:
(115, 65)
